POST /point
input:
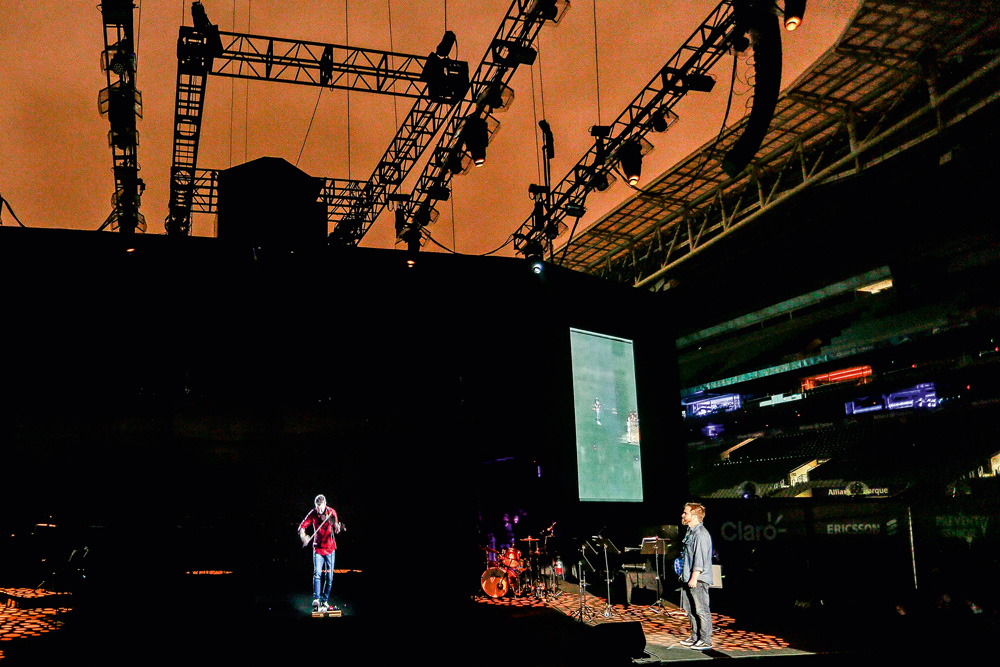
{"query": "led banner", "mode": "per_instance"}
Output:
(608, 458)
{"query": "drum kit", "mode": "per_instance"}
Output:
(508, 571)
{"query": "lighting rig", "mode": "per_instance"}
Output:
(622, 144)
(465, 136)
(121, 102)
(203, 50)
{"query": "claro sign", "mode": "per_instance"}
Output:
(776, 525)
(738, 531)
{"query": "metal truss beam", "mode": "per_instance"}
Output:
(316, 64)
(195, 52)
(203, 50)
(122, 103)
(842, 116)
(519, 27)
(709, 42)
(337, 194)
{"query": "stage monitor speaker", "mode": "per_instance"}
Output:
(619, 643)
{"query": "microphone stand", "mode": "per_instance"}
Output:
(583, 565)
(605, 543)
(657, 606)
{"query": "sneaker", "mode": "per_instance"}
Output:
(315, 605)
(323, 607)
(701, 646)
(689, 641)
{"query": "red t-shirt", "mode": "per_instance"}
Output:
(323, 540)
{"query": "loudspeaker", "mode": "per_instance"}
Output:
(619, 642)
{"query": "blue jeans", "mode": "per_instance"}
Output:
(695, 602)
(322, 575)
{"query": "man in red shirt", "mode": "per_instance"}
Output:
(324, 524)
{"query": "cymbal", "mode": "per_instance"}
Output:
(529, 539)
(492, 551)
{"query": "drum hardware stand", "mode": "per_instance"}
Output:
(606, 544)
(583, 565)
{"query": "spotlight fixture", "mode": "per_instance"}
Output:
(662, 119)
(536, 268)
(446, 79)
(674, 79)
(439, 192)
(630, 161)
(497, 96)
(398, 199)
(400, 221)
(475, 136)
(600, 131)
(794, 10)
(123, 60)
(575, 210)
(537, 191)
(532, 248)
(509, 53)
(538, 217)
(602, 182)
(444, 46)
(549, 10)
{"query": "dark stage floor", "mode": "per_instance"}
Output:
(217, 618)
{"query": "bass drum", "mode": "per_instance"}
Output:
(494, 582)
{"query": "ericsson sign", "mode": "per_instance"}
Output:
(738, 531)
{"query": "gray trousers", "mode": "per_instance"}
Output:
(695, 602)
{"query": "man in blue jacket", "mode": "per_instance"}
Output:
(696, 577)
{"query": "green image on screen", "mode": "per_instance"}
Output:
(608, 463)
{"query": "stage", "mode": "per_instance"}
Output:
(194, 620)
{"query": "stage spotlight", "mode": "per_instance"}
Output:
(475, 136)
(444, 46)
(123, 60)
(794, 10)
(538, 217)
(674, 79)
(537, 191)
(400, 221)
(533, 248)
(536, 268)
(550, 10)
(630, 161)
(439, 193)
(602, 182)
(446, 79)
(497, 96)
(662, 119)
(397, 200)
(509, 53)
(574, 210)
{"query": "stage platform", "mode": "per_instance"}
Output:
(411, 628)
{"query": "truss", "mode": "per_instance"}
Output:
(710, 41)
(338, 194)
(518, 31)
(203, 50)
(873, 94)
(315, 64)
(122, 103)
(519, 27)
